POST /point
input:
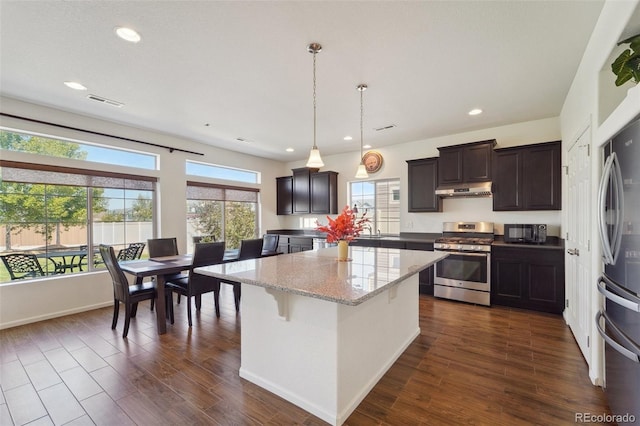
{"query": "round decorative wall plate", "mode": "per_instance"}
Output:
(372, 161)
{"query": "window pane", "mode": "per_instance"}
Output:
(67, 148)
(218, 213)
(381, 201)
(240, 223)
(204, 221)
(221, 172)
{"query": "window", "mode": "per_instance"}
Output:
(66, 148)
(59, 215)
(381, 200)
(221, 213)
(221, 172)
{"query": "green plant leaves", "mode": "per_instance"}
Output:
(627, 64)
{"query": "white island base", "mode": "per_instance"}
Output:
(324, 356)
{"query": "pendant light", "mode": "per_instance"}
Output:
(362, 170)
(314, 156)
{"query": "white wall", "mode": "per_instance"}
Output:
(24, 302)
(590, 104)
(472, 209)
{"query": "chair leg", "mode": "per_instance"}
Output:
(189, 310)
(198, 301)
(134, 310)
(116, 310)
(169, 304)
(216, 300)
(236, 295)
(127, 319)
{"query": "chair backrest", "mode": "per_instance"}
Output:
(120, 282)
(270, 242)
(159, 247)
(250, 249)
(128, 253)
(138, 248)
(207, 254)
(22, 265)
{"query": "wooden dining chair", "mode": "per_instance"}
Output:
(22, 265)
(197, 284)
(249, 249)
(160, 247)
(123, 292)
(270, 244)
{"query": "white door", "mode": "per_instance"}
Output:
(577, 243)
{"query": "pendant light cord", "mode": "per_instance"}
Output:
(314, 101)
(361, 119)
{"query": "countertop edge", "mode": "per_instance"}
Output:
(349, 302)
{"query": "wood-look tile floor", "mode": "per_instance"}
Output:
(470, 365)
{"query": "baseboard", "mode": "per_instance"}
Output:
(51, 315)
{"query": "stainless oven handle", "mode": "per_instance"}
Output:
(633, 354)
(463, 253)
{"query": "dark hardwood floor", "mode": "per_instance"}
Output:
(470, 365)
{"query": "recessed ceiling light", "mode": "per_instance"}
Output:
(74, 85)
(128, 34)
(289, 150)
(367, 146)
(475, 111)
(348, 138)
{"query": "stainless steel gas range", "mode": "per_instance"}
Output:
(464, 275)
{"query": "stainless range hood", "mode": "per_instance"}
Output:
(471, 189)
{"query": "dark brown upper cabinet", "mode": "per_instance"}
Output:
(422, 183)
(307, 191)
(469, 162)
(527, 177)
(324, 192)
(301, 190)
(284, 195)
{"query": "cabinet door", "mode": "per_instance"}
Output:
(422, 182)
(528, 278)
(301, 186)
(507, 287)
(284, 195)
(507, 180)
(450, 166)
(541, 177)
(425, 277)
(324, 193)
(476, 163)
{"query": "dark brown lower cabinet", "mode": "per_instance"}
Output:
(528, 278)
(425, 278)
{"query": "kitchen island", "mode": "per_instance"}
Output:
(320, 333)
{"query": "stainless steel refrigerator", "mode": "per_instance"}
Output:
(619, 224)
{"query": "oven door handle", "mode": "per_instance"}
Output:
(464, 253)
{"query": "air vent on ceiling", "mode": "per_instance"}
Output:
(390, 126)
(105, 100)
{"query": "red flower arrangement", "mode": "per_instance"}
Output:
(346, 226)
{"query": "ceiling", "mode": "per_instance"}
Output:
(218, 71)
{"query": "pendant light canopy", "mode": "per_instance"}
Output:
(314, 156)
(362, 170)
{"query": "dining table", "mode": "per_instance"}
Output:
(158, 267)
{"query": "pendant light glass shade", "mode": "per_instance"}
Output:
(361, 173)
(314, 161)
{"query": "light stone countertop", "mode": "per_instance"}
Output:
(318, 273)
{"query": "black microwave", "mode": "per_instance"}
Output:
(525, 233)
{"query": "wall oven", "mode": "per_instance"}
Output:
(465, 275)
